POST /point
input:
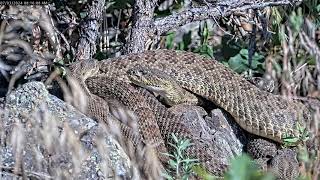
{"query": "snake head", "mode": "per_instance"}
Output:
(149, 78)
(160, 83)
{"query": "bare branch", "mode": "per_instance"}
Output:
(89, 31)
(143, 12)
(165, 24)
(145, 27)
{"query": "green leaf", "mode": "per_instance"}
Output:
(276, 16)
(240, 63)
(244, 53)
(241, 168)
(296, 20)
(244, 168)
(236, 63)
(190, 160)
(303, 155)
(170, 40)
(185, 144)
(205, 50)
(318, 8)
(172, 163)
(167, 154)
(174, 137)
(181, 46)
(174, 146)
(179, 163)
(205, 33)
(290, 141)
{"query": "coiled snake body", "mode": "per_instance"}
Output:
(258, 112)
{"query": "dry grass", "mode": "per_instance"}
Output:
(55, 149)
(59, 154)
(298, 78)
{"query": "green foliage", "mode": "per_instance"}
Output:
(240, 63)
(243, 168)
(59, 67)
(293, 140)
(180, 166)
(202, 173)
(276, 21)
(186, 41)
(311, 8)
(276, 16)
(170, 40)
(296, 20)
(306, 157)
(303, 155)
(295, 17)
(204, 48)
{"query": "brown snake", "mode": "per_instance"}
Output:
(256, 111)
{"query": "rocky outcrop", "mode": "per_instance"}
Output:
(43, 137)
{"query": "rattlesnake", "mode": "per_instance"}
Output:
(258, 112)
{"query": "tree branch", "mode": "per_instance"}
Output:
(143, 12)
(163, 25)
(89, 31)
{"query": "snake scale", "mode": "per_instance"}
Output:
(258, 112)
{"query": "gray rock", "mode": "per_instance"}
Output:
(43, 137)
(226, 133)
(215, 129)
